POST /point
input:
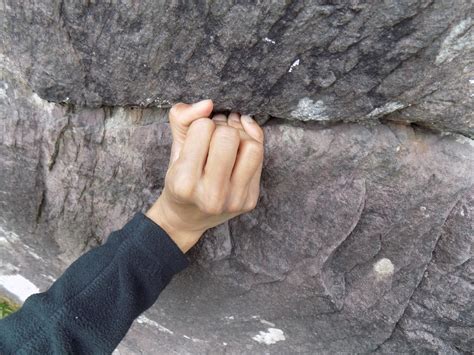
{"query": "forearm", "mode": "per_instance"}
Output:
(91, 306)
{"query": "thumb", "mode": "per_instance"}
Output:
(181, 116)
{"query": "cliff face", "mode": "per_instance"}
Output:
(362, 238)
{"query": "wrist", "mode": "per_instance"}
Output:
(163, 214)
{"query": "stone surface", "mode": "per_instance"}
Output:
(361, 241)
(440, 314)
(302, 60)
(362, 238)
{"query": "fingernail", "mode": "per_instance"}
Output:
(234, 117)
(247, 119)
(197, 104)
(219, 117)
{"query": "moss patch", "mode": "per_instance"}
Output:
(7, 307)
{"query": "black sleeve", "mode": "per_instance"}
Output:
(90, 308)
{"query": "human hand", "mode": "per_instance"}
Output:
(213, 175)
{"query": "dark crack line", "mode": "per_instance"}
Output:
(39, 211)
(57, 143)
(397, 324)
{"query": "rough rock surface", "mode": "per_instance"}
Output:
(362, 238)
(361, 241)
(304, 60)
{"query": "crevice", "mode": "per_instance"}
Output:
(40, 209)
(57, 143)
(397, 324)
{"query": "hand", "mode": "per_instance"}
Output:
(213, 175)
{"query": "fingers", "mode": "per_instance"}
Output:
(196, 146)
(181, 116)
(252, 128)
(248, 160)
(246, 170)
(220, 162)
(220, 119)
(234, 121)
(254, 190)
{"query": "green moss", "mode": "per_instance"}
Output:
(7, 307)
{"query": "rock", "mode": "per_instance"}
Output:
(361, 241)
(344, 61)
(439, 316)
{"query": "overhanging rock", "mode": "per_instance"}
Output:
(362, 238)
(352, 61)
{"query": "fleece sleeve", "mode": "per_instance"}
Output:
(90, 308)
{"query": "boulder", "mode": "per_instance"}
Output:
(311, 61)
(361, 241)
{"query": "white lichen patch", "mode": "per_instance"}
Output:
(43, 104)
(308, 110)
(384, 267)
(389, 107)
(464, 140)
(9, 235)
(144, 320)
(460, 39)
(263, 321)
(33, 254)
(271, 336)
(424, 210)
(18, 285)
(294, 65)
(266, 39)
(196, 340)
(49, 277)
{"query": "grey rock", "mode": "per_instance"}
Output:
(440, 314)
(361, 241)
(338, 61)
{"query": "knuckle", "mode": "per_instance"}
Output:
(183, 191)
(174, 111)
(180, 183)
(255, 149)
(204, 124)
(235, 206)
(250, 204)
(213, 209)
(229, 133)
(214, 203)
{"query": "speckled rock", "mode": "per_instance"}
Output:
(303, 60)
(361, 241)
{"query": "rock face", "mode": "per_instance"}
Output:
(347, 61)
(362, 238)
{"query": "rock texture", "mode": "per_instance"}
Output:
(362, 238)
(305, 60)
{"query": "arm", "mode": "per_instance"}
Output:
(89, 309)
(214, 175)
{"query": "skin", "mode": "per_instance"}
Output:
(213, 174)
